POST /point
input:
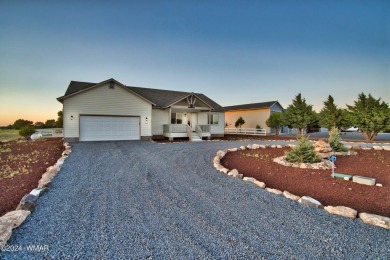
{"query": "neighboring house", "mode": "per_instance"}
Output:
(110, 110)
(253, 114)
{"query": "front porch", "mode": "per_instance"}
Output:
(194, 133)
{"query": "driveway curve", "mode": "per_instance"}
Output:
(136, 199)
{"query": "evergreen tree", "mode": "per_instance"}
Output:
(304, 152)
(60, 119)
(275, 121)
(299, 114)
(39, 125)
(370, 115)
(331, 115)
(240, 121)
(18, 124)
(335, 141)
(26, 131)
(50, 123)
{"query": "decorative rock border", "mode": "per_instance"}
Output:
(27, 205)
(343, 211)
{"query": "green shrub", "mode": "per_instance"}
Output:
(27, 131)
(258, 126)
(303, 153)
(335, 140)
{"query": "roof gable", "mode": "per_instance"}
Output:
(76, 87)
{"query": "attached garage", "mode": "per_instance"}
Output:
(109, 128)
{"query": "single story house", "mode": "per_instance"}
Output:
(254, 114)
(110, 110)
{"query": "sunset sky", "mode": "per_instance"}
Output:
(235, 52)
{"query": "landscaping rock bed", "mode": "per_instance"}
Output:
(343, 197)
(28, 203)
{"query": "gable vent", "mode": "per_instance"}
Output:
(112, 84)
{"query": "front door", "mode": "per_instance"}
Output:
(193, 120)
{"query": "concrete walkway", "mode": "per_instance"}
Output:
(131, 200)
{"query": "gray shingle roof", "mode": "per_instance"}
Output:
(162, 98)
(251, 106)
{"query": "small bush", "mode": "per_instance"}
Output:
(258, 126)
(335, 141)
(303, 153)
(27, 131)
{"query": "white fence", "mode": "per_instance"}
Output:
(246, 131)
(50, 132)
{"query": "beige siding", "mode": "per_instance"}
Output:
(215, 129)
(104, 101)
(251, 117)
(159, 118)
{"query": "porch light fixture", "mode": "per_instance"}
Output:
(71, 117)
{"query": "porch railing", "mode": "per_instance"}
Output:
(189, 132)
(205, 128)
(246, 131)
(199, 131)
(50, 132)
(173, 128)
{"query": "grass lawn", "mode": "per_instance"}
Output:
(9, 134)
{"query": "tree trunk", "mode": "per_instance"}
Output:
(369, 135)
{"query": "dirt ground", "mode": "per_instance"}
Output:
(318, 184)
(22, 164)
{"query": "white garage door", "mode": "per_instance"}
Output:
(109, 128)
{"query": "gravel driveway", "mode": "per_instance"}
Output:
(122, 200)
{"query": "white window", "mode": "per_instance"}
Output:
(214, 119)
(177, 118)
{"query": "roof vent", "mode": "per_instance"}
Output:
(112, 85)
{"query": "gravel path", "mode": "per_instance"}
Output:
(122, 200)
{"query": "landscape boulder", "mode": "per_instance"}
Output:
(290, 196)
(37, 191)
(16, 217)
(255, 146)
(323, 148)
(341, 211)
(274, 191)
(375, 220)
(221, 154)
(36, 136)
(5, 232)
(310, 201)
(234, 173)
(28, 202)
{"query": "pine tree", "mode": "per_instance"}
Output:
(303, 153)
(331, 115)
(299, 114)
(335, 141)
(275, 121)
(370, 115)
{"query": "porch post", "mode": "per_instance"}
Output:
(169, 116)
(209, 125)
